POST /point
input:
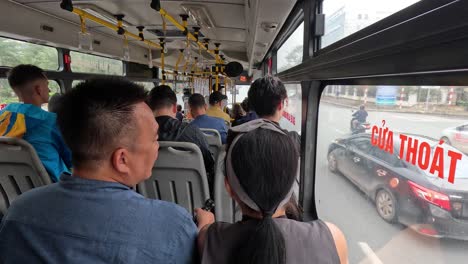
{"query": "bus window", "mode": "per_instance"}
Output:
(88, 63)
(147, 85)
(75, 82)
(14, 52)
(395, 201)
(343, 18)
(54, 88)
(290, 53)
(292, 114)
(237, 94)
(6, 94)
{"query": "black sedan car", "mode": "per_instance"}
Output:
(403, 192)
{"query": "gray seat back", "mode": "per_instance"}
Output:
(214, 140)
(20, 170)
(178, 176)
(227, 210)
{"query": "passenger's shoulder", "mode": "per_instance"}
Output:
(217, 120)
(227, 116)
(293, 226)
(192, 128)
(34, 198)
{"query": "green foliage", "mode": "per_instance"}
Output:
(293, 58)
(6, 93)
(13, 52)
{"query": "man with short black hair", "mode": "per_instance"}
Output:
(216, 106)
(267, 97)
(163, 101)
(94, 216)
(202, 120)
(30, 122)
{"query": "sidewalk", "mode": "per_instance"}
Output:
(446, 111)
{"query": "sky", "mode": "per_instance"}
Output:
(330, 6)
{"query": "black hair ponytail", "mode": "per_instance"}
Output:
(265, 162)
(265, 245)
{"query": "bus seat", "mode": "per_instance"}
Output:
(178, 176)
(214, 140)
(20, 170)
(226, 210)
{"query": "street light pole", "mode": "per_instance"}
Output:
(427, 98)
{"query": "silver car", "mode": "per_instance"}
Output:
(457, 137)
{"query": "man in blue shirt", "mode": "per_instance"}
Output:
(93, 216)
(202, 120)
(28, 121)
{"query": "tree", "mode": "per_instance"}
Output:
(295, 55)
(293, 58)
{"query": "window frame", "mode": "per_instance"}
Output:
(284, 42)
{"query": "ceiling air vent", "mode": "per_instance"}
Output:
(269, 26)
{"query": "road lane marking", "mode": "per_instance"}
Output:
(371, 257)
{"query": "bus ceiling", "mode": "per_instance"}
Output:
(136, 30)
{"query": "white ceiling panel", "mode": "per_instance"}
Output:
(229, 16)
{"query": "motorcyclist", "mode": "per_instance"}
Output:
(359, 116)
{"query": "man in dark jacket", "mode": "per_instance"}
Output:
(163, 101)
(361, 114)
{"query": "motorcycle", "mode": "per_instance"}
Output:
(357, 127)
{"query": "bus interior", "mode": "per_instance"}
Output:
(404, 60)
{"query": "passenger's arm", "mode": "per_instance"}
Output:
(186, 249)
(223, 131)
(64, 151)
(204, 220)
(340, 243)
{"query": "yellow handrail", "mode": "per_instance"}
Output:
(179, 59)
(102, 22)
(190, 36)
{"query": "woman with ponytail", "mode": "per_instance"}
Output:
(261, 166)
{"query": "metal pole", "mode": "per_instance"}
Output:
(427, 98)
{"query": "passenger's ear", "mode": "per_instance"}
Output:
(37, 90)
(120, 160)
(174, 108)
(281, 105)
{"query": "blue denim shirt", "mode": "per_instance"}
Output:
(205, 121)
(39, 128)
(88, 221)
